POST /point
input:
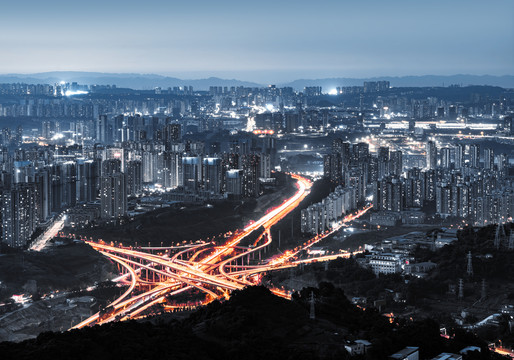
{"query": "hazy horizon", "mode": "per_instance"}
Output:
(246, 76)
(264, 42)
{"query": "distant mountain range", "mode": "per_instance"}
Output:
(505, 81)
(150, 81)
(126, 80)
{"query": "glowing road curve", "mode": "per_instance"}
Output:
(203, 270)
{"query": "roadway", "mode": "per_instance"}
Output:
(204, 266)
(42, 241)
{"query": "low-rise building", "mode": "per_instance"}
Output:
(413, 217)
(385, 264)
(385, 218)
(408, 353)
(447, 356)
(419, 268)
(357, 347)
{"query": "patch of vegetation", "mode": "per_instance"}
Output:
(253, 324)
(190, 223)
(66, 267)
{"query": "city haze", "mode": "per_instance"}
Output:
(266, 43)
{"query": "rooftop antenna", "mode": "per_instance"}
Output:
(500, 233)
(312, 312)
(470, 265)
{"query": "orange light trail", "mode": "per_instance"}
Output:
(204, 266)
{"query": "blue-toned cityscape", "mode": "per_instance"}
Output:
(267, 180)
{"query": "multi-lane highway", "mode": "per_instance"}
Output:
(41, 242)
(214, 270)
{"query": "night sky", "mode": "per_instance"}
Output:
(259, 40)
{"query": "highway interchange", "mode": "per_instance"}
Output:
(155, 274)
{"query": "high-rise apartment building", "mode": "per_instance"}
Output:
(113, 196)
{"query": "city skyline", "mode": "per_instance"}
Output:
(265, 43)
(257, 180)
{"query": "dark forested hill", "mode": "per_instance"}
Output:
(253, 324)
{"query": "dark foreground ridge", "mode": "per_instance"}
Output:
(253, 324)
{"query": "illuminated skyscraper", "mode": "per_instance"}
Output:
(113, 196)
(101, 129)
(173, 133)
(86, 180)
(234, 183)
(396, 163)
(431, 155)
(383, 162)
(445, 158)
(251, 174)
(488, 159)
(212, 175)
(333, 167)
(19, 216)
(459, 156)
(111, 166)
(191, 173)
(474, 156)
(134, 171)
(172, 169)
